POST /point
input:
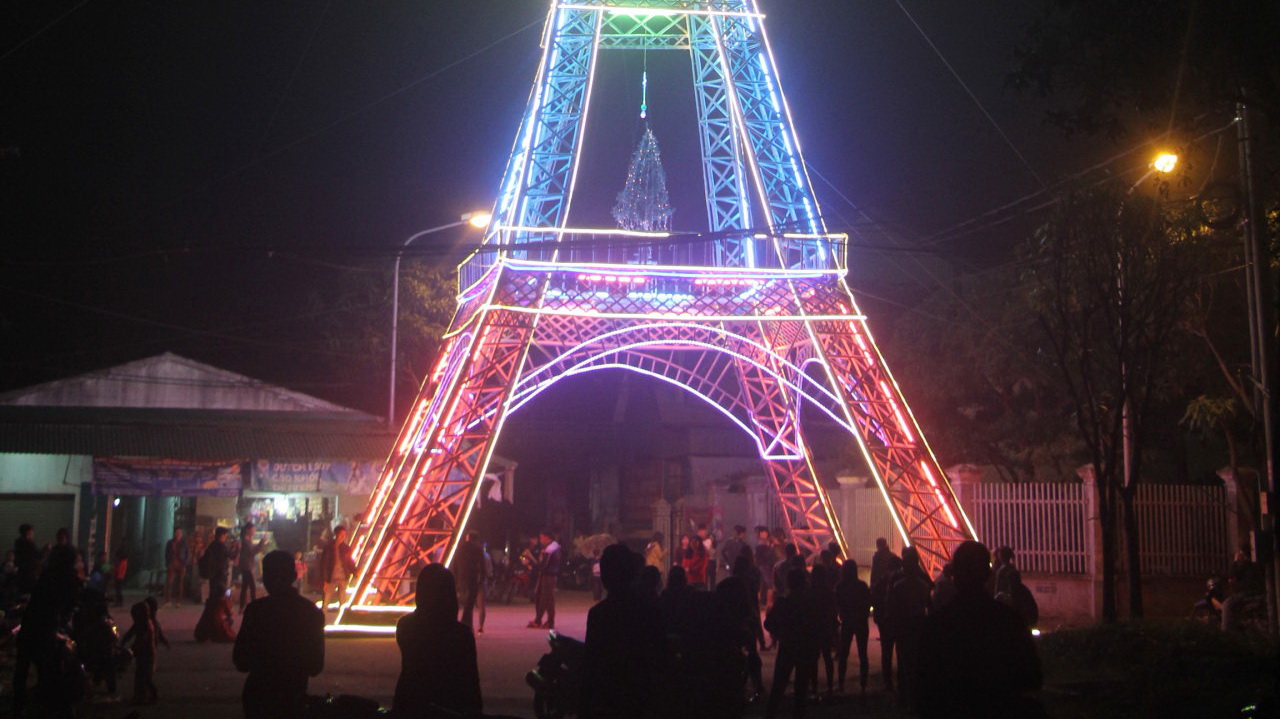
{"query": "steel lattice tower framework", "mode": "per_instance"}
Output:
(754, 317)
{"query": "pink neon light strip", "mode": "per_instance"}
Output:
(937, 491)
(897, 412)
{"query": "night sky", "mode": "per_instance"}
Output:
(191, 177)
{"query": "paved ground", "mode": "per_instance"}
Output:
(198, 681)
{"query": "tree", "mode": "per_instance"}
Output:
(1109, 65)
(968, 365)
(355, 320)
(1107, 275)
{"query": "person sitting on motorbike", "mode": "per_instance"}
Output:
(1246, 584)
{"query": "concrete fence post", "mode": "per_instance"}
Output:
(1093, 537)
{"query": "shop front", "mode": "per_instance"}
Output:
(292, 504)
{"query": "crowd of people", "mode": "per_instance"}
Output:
(686, 646)
(692, 648)
(61, 607)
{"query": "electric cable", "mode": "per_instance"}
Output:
(972, 96)
(42, 30)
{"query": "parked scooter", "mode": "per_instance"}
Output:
(1209, 609)
(1248, 614)
(557, 681)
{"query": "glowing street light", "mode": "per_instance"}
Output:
(1164, 163)
(478, 220)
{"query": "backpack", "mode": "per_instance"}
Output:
(204, 565)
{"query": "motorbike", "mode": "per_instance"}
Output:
(1250, 614)
(556, 681)
(1209, 609)
(575, 573)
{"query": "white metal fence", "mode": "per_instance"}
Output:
(1184, 529)
(1046, 524)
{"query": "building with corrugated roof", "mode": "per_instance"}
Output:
(122, 456)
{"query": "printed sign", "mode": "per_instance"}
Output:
(124, 476)
(315, 477)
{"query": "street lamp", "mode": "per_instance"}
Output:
(478, 220)
(1164, 163)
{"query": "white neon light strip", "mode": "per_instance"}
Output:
(582, 231)
(669, 270)
(385, 609)
(550, 56)
(582, 120)
(576, 312)
(410, 486)
(755, 437)
(897, 411)
(817, 224)
(523, 393)
(677, 328)
(737, 121)
(884, 368)
(358, 629)
(658, 12)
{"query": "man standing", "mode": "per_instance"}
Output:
(731, 548)
(280, 644)
(883, 564)
(468, 565)
(546, 573)
(709, 549)
(766, 557)
(336, 565)
(623, 650)
(26, 557)
(218, 561)
(247, 561)
(177, 557)
(901, 616)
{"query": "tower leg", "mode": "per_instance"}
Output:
(915, 488)
(424, 498)
(806, 507)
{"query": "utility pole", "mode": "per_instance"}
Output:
(1259, 285)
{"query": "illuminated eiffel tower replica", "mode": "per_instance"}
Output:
(753, 317)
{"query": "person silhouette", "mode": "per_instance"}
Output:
(853, 597)
(280, 644)
(976, 655)
(439, 674)
(789, 624)
(623, 649)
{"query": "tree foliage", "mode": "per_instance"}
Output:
(354, 317)
(1108, 277)
(1109, 65)
(969, 364)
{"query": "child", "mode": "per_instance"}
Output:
(300, 567)
(143, 633)
(154, 605)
